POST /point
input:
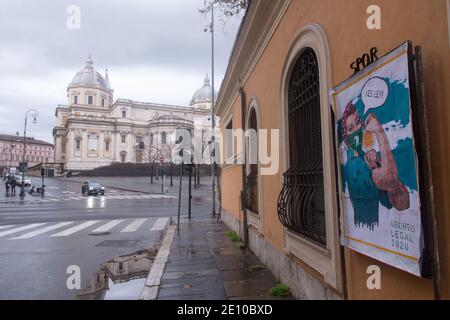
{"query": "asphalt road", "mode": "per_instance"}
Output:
(41, 238)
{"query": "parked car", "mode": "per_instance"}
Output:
(27, 181)
(92, 187)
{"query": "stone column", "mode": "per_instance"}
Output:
(84, 146)
(130, 144)
(70, 147)
(101, 145)
(57, 151)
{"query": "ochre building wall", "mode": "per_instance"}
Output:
(344, 22)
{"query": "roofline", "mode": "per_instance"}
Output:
(155, 106)
(29, 140)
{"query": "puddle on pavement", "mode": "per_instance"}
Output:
(121, 278)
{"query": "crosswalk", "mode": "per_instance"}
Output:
(107, 197)
(51, 198)
(69, 228)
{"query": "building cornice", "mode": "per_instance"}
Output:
(261, 21)
(61, 108)
(156, 106)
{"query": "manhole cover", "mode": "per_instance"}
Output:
(118, 243)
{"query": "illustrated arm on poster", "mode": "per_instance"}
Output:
(384, 171)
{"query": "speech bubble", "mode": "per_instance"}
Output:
(374, 93)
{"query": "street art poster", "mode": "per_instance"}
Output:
(378, 164)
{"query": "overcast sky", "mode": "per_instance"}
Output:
(155, 51)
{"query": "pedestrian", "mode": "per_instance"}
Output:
(13, 187)
(7, 186)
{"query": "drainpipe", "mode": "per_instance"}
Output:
(244, 168)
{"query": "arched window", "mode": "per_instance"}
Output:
(301, 205)
(251, 184)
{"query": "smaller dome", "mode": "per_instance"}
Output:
(90, 77)
(203, 95)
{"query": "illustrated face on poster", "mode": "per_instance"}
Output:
(378, 164)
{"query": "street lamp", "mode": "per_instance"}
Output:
(33, 114)
(213, 122)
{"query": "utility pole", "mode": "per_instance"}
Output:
(157, 148)
(191, 168)
(43, 173)
(213, 122)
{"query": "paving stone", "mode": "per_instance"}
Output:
(204, 264)
(192, 261)
(171, 267)
(243, 274)
(249, 287)
(182, 275)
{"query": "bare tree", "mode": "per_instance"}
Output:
(229, 8)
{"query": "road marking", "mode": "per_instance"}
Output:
(160, 224)
(125, 197)
(108, 197)
(4, 227)
(108, 226)
(75, 229)
(115, 197)
(19, 229)
(132, 227)
(41, 231)
(134, 197)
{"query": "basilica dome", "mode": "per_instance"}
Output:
(89, 77)
(203, 95)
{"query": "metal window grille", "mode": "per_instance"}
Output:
(301, 206)
(251, 184)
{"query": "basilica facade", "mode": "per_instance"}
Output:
(93, 130)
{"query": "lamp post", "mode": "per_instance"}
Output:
(34, 115)
(213, 122)
(157, 148)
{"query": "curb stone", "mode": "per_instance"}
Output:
(151, 288)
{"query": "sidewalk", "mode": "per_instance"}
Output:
(203, 263)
